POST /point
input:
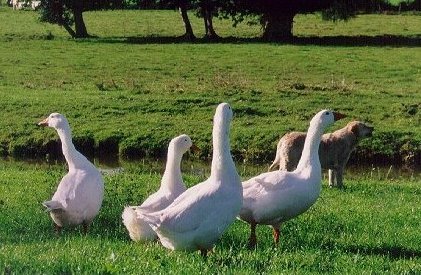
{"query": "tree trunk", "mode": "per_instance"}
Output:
(189, 30)
(66, 26)
(278, 27)
(80, 26)
(69, 30)
(57, 10)
(209, 30)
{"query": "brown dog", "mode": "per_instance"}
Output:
(334, 151)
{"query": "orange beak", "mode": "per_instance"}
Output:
(194, 148)
(338, 116)
(43, 122)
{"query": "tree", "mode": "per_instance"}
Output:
(405, 5)
(206, 9)
(183, 6)
(277, 16)
(65, 13)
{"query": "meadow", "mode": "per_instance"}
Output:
(134, 85)
(371, 227)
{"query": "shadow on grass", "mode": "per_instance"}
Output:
(374, 41)
(351, 41)
(392, 251)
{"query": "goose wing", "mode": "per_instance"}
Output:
(188, 211)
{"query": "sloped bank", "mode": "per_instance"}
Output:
(382, 148)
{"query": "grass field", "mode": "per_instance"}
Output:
(371, 227)
(135, 86)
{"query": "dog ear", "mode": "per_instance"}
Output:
(354, 128)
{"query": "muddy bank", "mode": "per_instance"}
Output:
(368, 153)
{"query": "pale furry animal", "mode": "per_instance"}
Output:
(35, 4)
(15, 4)
(334, 151)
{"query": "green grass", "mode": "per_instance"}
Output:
(135, 86)
(370, 227)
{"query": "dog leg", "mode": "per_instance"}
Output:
(339, 177)
(332, 177)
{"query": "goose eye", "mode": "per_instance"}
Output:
(327, 113)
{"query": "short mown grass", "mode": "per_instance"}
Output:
(373, 226)
(136, 85)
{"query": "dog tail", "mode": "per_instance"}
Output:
(276, 161)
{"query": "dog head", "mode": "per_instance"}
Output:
(360, 129)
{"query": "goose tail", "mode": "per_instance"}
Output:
(52, 205)
(138, 229)
(153, 220)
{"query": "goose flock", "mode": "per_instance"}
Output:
(193, 219)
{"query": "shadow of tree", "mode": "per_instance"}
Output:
(170, 40)
(363, 40)
(350, 41)
(392, 251)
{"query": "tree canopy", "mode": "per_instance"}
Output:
(275, 16)
(69, 12)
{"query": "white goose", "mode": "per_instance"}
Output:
(172, 186)
(199, 216)
(79, 195)
(275, 197)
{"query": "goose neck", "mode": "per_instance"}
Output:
(310, 155)
(69, 150)
(172, 175)
(222, 162)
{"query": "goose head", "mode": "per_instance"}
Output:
(182, 144)
(223, 115)
(56, 121)
(325, 118)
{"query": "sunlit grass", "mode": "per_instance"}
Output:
(371, 226)
(127, 92)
